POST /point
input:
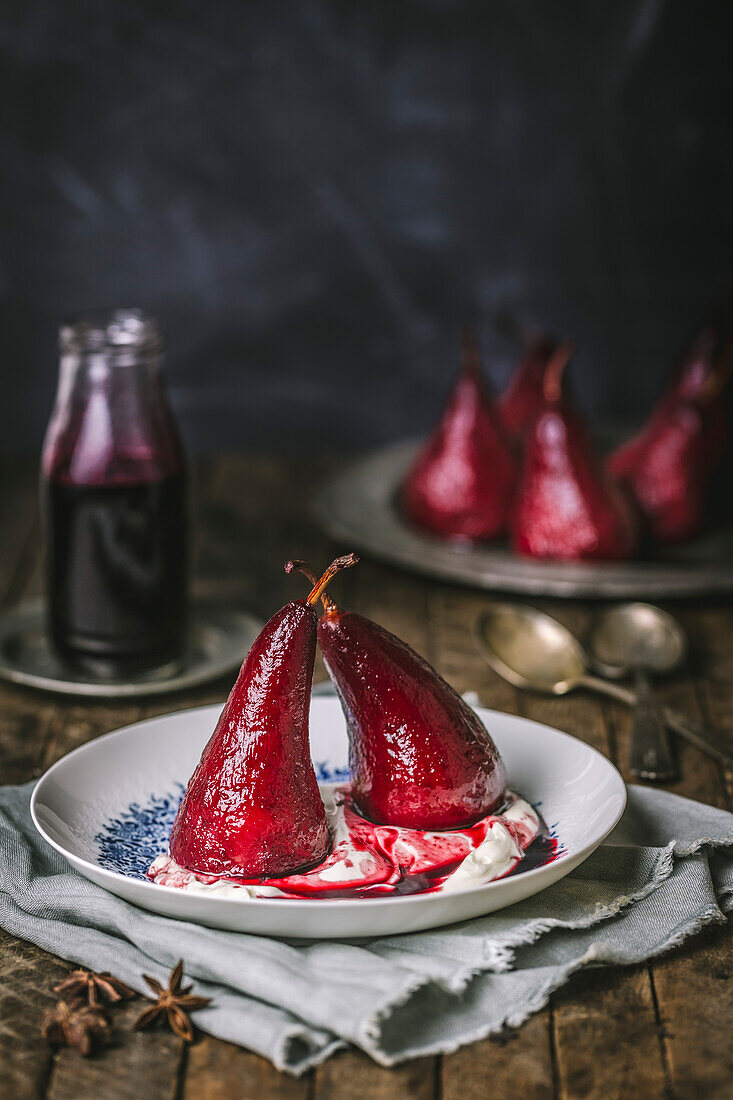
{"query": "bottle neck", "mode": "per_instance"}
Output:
(111, 421)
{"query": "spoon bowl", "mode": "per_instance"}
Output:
(530, 649)
(643, 639)
(636, 635)
(535, 652)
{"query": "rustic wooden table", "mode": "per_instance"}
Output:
(658, 1030)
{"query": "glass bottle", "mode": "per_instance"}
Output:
(114, 500)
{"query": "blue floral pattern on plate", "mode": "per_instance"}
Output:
(130, 842)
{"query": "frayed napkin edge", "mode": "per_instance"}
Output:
(501, 956)
(373, 1028)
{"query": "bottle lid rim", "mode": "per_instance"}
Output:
(110, 330)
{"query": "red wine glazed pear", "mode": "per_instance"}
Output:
(461, 483)
(669, 465)
(567, 507)
(420, 757)
(522, 400)
(252, 808)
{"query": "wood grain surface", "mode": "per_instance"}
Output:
(657, 1030)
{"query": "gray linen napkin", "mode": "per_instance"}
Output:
(664, 873)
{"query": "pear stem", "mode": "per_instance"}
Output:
(552, 380)
(319, 586)
(719, 375)
(302, 566)
(470, 358)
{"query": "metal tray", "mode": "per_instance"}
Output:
(218, 643)
(357, 507)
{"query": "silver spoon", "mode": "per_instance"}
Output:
(641, 639)
(535, 652)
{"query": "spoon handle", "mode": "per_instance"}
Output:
(714, 744)
(651, 750)
(608, 687)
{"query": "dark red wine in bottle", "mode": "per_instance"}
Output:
(114, 498)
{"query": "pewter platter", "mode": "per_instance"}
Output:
(358, 508)
(218, 641)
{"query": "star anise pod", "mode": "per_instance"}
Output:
(76, 1024)
(94, 988)
(173, 1003)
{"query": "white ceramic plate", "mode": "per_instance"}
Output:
(108, 807)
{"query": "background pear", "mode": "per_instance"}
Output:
(461, 484)
(670, 466)
(522, 399)
(568, 507)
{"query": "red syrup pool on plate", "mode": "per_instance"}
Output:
(371, 861)
(543, 850)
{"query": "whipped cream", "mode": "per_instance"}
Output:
(369, 860)
(495, 855)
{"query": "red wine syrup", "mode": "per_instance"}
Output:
(117, 572)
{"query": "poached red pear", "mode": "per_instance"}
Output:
(568, 508)
(252, 808)
(668, 467)
(420, 757)
(461, 483)
(522, 399)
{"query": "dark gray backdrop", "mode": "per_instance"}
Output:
(312, 194)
